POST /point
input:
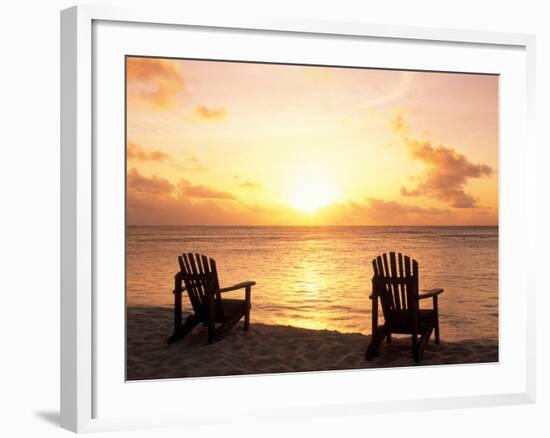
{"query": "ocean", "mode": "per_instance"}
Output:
(320, 277)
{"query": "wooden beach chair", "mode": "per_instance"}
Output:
(395, 285)
(199, 278)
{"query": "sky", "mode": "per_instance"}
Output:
(227, 143)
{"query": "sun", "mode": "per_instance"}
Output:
(311, 192)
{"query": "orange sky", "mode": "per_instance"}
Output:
(221, 143)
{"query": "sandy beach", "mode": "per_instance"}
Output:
(272, 349)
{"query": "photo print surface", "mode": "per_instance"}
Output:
(289, 218)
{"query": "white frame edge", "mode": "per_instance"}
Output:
(77, 409)
(76, 219)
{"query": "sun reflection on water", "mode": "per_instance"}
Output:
(319, 277)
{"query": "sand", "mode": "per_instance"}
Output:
(273, 349)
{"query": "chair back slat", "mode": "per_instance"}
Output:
(386, 271)
(186, 272)
(381, 287)
(397, 287)
(375, 268)
(403, 292)
(199, 279)
(196, 279)
(395, 283)
(408, 288)
(413, 298)
(209, 266)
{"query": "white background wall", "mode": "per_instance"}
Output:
(29, 214)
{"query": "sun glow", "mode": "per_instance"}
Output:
(311, 192)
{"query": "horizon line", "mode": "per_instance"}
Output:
(304, 225)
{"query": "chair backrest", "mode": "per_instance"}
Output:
(200, 276)
(395, 281)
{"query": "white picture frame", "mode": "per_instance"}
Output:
(86, 378)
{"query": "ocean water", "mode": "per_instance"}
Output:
(320, 277)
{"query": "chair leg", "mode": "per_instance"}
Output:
(388, 338)
(177, 312)
(211, 318)
(421, 346)
(226, 327)
(376, 340)
(184, 329)
(414, 346)
(436, 319)
(211, 333)
(247, 310)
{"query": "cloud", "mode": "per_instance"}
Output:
(154, 200)
(154, 81)
(186, 162)
(249, 185)
(186, 189)
(447, 171)
(210, 113)
(151, 210)
(147, 209)
(136, 152)
(151, 186)
(446, 174)
(397, 123)
(375, 211)
(190, 163)
(381, 211)
(246, 184)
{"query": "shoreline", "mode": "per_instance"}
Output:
(268, 349)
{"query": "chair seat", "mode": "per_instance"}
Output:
(400, 324)
(231, 308)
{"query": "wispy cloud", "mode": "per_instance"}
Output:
(187, 189)
(155, 200)
(183, 189)
(154, 81)
(249, 185)
(447, 171)
(189, 162)
(376, 211)
(246, 184)
(185, 161)
(397, 123)
(136, 152)
(148, 185)
(209, 113)
(381, 211)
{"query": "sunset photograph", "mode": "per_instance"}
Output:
(292, 218)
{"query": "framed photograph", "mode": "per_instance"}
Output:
(256, 208)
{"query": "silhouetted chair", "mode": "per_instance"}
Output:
(199, 278)
(396, 286)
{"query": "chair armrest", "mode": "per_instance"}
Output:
(238, 286)
(430, 293)
(178, 280)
